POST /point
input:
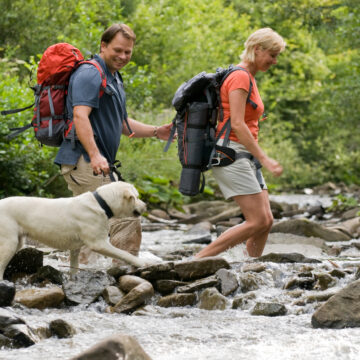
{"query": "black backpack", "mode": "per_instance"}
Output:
(198, 110)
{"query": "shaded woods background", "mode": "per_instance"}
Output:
(311, 96)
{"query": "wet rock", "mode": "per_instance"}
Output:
(254, 268)
(177, 300)
(221, 228)
(324, 296)
(308, 228)
(135, 298)
(161, 214)
(115, 347)
(243, 302)
(211, 299)
(61, 329)
(27, 261)
(249, 282)
(198, 285)
(231, 222)
(205, 239)
(8, 317)
(338, 273)
(176, 214)
(213, 211)
(286, 258)
(40, 298)
(350, 228)
(200, 268)
(292, 239)
(228, 281)
(301, 283)
(341, 310)
(277, 209)
(128, 282)
(165, 287)
(357, 274)
(350, 214)
(233, 211)
(162, 271)
(86, 286)
(324, 281)
(112, 295)
(118, 271)
(202, 228)
(269, 309)
(7, 293)
(47, 273)
(20, 335)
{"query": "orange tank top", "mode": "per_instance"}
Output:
(240, 80)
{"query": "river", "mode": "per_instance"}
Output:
(192, 333)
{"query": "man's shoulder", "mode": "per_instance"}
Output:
(88, 73)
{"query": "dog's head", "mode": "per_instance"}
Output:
(122, 198)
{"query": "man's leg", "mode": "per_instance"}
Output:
(125, 233)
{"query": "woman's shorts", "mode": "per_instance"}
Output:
(239, 178)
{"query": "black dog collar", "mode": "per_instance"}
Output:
(103, 204)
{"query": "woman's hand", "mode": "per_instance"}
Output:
(273, 166)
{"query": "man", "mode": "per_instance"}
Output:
(99, 123)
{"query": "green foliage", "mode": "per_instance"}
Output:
(342, 203)
(311, 96)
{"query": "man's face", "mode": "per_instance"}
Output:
(117, 53)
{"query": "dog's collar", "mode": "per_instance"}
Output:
(103, 204)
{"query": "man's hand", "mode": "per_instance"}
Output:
(99, 165)
(163, 132)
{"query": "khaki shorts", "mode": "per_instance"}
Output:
(239, 178)
(80, 177)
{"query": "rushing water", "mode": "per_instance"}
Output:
(192, 333)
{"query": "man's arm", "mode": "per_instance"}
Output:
(86, 136)
(142, 130)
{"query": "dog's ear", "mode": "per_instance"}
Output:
(129, 196)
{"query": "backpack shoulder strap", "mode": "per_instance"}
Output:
(235, 68)
(103, 88)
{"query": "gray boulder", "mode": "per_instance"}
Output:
(341, 310)
(115, 347)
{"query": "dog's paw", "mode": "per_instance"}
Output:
(146, 262)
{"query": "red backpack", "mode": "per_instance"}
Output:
(50, 121)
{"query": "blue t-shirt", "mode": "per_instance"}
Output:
(106, 117)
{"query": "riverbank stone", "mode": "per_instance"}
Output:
(135, 298)
(7, 293)
(308, 228)
(119, 346)
(200, 268)
(40, 298)
(342, 310)
(26, 261)
(228, 281)
(198, 285)
(287, 258)
(86, 286)
(211, 299)
(177, 300)
(269, 309)
(61, 329)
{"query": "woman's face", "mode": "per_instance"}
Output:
(265, 58)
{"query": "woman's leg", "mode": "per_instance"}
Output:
(254, 230)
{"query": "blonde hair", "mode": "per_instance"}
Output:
(267, 39)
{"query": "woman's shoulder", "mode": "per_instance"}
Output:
(239, 78)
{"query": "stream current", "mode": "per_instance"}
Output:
(195, 334)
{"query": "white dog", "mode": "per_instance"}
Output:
(68, 223)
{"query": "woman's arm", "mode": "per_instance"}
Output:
(237, 101)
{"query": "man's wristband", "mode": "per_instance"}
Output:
(155, 132)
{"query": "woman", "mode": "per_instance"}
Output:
(240, 180)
